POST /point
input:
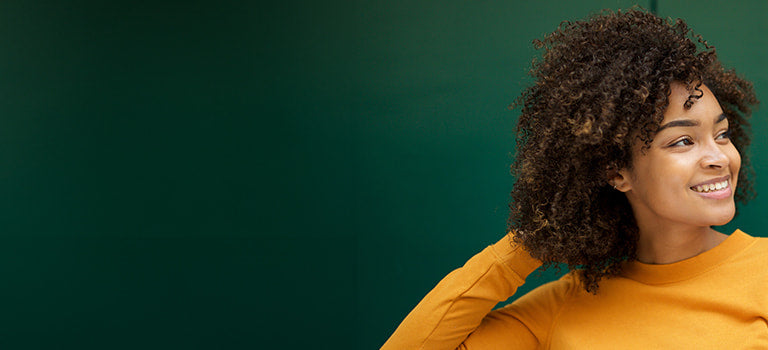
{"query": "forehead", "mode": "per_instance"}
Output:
(704, 107)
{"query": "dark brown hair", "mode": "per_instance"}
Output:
(601, 86)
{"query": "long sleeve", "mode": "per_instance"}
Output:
(461, 302)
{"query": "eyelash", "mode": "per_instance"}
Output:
(725, 135)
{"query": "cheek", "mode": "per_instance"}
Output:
(660, 175)
(734, 161)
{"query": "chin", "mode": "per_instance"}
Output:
(723, 218)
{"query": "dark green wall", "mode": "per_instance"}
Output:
(436, 137)
(228, 174)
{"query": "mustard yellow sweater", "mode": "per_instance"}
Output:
(715, 300)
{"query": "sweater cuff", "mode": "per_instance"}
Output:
(514, 256)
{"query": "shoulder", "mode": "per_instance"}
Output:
(556, 291)
(757, 249)
(539, 308)
(748, 264)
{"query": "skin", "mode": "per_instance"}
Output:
(691, 147)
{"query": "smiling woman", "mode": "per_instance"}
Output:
(682, 183)
(628, 154)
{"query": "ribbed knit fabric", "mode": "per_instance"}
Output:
(715, 300)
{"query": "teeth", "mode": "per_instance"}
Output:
(711, 187)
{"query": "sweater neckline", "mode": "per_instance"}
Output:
(688, 268)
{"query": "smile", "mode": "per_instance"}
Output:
(716, 189)
(711, 187)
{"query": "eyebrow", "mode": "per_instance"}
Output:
(687, 122)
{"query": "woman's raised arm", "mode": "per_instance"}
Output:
(461, 302)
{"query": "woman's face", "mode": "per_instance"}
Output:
(688, 176)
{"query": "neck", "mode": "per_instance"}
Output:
(666, 246)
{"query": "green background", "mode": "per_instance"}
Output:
(226, 175)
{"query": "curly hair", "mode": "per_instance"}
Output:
(601, 86)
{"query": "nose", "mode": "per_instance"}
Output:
(714, 156)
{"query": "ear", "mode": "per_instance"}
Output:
(620, 181)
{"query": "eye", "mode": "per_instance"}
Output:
(724, 135)
(683, 142)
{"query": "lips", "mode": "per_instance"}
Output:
(717, 188)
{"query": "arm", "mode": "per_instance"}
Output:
(461, 301)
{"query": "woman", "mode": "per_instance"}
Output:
(628, 154)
